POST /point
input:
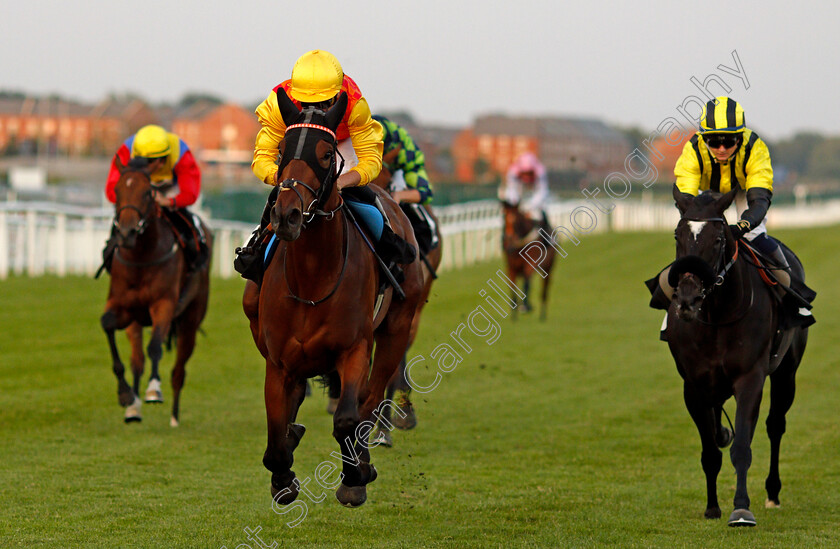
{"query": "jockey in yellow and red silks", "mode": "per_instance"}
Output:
(317, 79)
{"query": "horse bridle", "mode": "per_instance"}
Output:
(721, 271)
(313, 210)
(144, 214)
(721, 274)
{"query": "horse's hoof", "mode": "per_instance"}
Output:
(286, 495)
(332, 405)
(153, 392)
(351, 496)
(173, 422)
(741, 517)
(381, 437)
(772, 504)
(410, 419)
(725, 437)
(713, 513)
(132, 412)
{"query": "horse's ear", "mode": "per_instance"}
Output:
(682, 199)
(288, 109)
(726, 200)
(336, 112)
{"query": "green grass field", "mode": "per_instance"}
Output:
(569, 433)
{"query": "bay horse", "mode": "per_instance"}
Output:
(150, 286)
(519, 231)
(314, 311)
(724, 334)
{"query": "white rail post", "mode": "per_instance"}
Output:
(4, 246)
(61, 245)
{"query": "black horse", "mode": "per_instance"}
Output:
(724, 331)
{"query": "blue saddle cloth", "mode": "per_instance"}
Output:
(367, 214)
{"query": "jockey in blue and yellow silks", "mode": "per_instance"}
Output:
(176, 184)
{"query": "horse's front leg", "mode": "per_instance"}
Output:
(748, 389)
(112, 320)
(134, 332)
(711, 458)
(161, 312)
(352, 366)
(283, 395)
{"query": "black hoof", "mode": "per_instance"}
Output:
(713, 513)
(133, 419)
(351, 496)
(741, 517)
(284, 496)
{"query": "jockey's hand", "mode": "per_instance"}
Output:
(163, 201)
(407, 196)
(349, 179)
(740, 229)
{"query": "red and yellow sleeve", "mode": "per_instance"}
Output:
(366, 135)
(114, 174)
(266, 147)
(189, 180)
(687, 171)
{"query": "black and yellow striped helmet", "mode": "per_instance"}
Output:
(722, 115)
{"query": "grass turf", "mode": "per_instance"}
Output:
(568, 433)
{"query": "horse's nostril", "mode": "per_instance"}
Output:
(294, 219)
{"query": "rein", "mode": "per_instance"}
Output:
(340, 275)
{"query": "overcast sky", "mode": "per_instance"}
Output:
(628, 63)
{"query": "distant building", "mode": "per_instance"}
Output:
(38, 126)
(218, 133)
(485, 151)
(116, 118)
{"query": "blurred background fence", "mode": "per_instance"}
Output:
(38, 238)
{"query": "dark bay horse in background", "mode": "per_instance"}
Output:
(150, 286)
(518, 232)
(314, 312)
(430, 259)
(723, 331)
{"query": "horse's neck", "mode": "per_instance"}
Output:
(734, 293)
(157, 239)
(319, 251)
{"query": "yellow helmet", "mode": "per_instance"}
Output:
(151, 142)
(316, 77)
(722, 115)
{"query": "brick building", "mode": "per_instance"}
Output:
(562, 144)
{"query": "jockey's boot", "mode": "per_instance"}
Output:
(782, 270)
(392, 248)
(203, 251)
(248, 261)
(108, 252)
